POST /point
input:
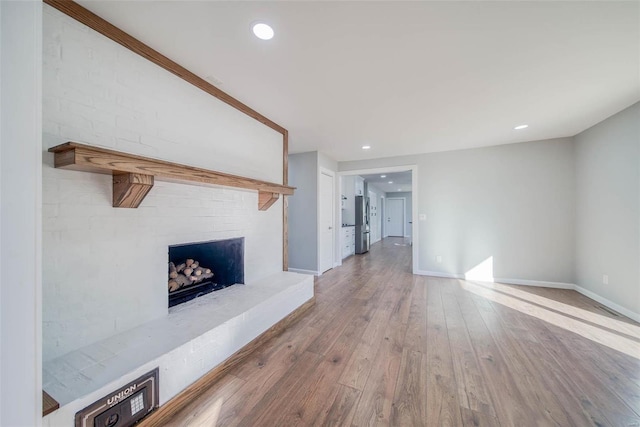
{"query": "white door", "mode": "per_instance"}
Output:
(326, 223)
(395, 217)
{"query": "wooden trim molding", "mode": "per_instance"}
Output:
(285, 157)
(161, 415)
(285, 233)
(133, 175)
(285, 201)
(104, 27)
(49, 404)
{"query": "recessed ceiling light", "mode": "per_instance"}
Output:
(521, 127)
(263, 31)
(383, 176)
(366, 147)
(390, 182)
(399, 189)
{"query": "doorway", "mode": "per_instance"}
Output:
(381, 184)
(395, 216)
(326, 221)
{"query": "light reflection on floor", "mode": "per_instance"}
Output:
(589, 316)
(208, 417)
(597, 334)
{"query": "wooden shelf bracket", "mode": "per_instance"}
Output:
(265, 200)
(129, 189)
(133, 176)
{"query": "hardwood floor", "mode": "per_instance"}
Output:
(384, 347)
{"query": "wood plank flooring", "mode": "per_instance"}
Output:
(386, 348)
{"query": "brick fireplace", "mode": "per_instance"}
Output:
(105, 314)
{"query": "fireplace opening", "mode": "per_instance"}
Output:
(196, 269)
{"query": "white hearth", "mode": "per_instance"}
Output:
(186, 344)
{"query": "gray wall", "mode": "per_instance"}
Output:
(513, 202)
(607, 208)
(407, 208)
(327, 162)
(303, 211)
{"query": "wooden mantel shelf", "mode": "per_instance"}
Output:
(133, 175)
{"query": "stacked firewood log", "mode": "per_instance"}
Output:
(187, 273)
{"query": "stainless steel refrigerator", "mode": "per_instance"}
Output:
(362, 224)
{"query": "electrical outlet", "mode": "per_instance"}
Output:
(439, 259)
(605, 279)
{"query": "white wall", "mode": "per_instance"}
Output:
(105, 268)
(303, 212)
(20, 208)
(608, 208)
(512, 202)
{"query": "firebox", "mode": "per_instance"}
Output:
(196, 269)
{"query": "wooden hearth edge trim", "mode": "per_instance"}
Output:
(133, 174)
(173, 406)
(49, 404)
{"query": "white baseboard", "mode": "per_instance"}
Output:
(439, 274)
(607, 303)
(556, 285)
(301, 271)
(542, 284)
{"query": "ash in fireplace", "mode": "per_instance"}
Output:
(186, 274)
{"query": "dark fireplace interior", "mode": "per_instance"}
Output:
(196, 269)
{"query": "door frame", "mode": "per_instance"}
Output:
(404, 214)
(414, 204)
(332, 174)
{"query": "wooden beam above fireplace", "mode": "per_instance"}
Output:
(134, 175)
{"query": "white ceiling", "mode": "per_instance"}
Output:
(400, 181)
(405, 77)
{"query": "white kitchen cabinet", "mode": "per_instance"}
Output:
(348, 206)
(348, 240)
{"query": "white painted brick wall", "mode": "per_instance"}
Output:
(98, 92)
(104, 269)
